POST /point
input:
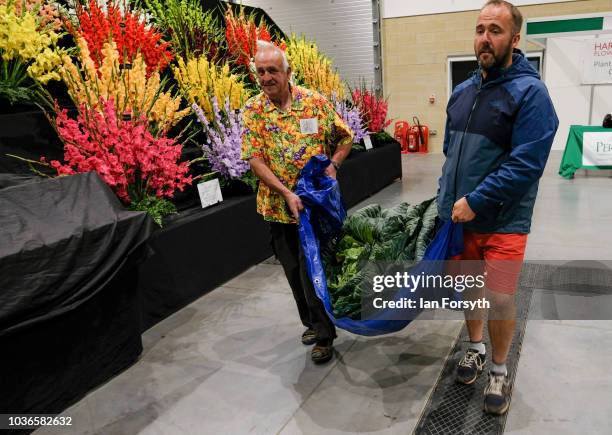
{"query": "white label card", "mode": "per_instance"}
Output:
(597, 149)
(210, 193)
(309, 126)
(367, 140)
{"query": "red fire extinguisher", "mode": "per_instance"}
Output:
(418, 138)
(413, 140)
(402, 128)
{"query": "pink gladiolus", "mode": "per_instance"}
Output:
(125, 155)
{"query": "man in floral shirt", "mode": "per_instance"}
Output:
(285, 126)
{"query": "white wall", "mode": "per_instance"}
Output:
(563, 76)
(408, 8)
(342, 29)
(563, 67)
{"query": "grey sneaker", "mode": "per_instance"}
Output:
(470, 367)
(497, 394)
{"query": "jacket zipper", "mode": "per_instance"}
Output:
(467, 125)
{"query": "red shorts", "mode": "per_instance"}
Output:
(500, 257)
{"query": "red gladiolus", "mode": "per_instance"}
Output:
(123, 152)
(128, 31)
(373, 109)
(241, 34)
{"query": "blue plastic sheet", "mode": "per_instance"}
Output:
(321, 220)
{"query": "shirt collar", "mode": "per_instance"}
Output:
(297, 100)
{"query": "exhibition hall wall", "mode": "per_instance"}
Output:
(416, 50)
(342, 28)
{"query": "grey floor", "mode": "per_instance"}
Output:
(231, 362)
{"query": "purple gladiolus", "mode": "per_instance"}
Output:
(352, 118)
(224, 140)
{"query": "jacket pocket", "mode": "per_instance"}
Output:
(504, 210)
(491, 214)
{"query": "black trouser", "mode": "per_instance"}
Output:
(286, 246)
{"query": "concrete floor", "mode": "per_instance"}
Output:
(232, 363)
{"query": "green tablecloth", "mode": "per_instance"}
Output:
(572, 156)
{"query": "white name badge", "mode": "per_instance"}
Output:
(367, 141)
(210, 193)
(309, 126)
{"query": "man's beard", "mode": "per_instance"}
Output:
(494, 61)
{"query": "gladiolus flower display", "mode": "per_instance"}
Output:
(46, 13)
(352, 118)
(241, 34)
(29, 52)
(193, 31)
(136, 165)
(131, 120)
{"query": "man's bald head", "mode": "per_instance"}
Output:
(268, 50)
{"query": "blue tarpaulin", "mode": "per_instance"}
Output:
(321, 220)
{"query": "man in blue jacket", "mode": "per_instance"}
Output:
(499, 130)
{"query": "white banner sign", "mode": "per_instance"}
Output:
(597, 149)
(210, 193)
(597, 63)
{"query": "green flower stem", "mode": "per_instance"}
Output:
(31, 163)
(204, 176)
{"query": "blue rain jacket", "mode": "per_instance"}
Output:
(497, 141)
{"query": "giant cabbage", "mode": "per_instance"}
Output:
(375, 241)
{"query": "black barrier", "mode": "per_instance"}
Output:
(68, 301)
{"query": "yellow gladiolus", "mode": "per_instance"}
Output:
(313, 69)
(126, 84)
(45, 66)
(199, 80)
(46, 14)
(22, 40)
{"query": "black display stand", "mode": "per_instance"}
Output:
(365, 173)
(52, 364)
(198, 250)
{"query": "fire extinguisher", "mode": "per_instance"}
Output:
(421, 136)
(413, 140)
(402, 128)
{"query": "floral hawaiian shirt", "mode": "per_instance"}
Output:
(286, 140)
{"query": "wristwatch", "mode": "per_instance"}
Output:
(335, 164)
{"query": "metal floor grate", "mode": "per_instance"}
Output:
(458, 409)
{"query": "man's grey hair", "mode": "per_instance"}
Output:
(265, 45)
